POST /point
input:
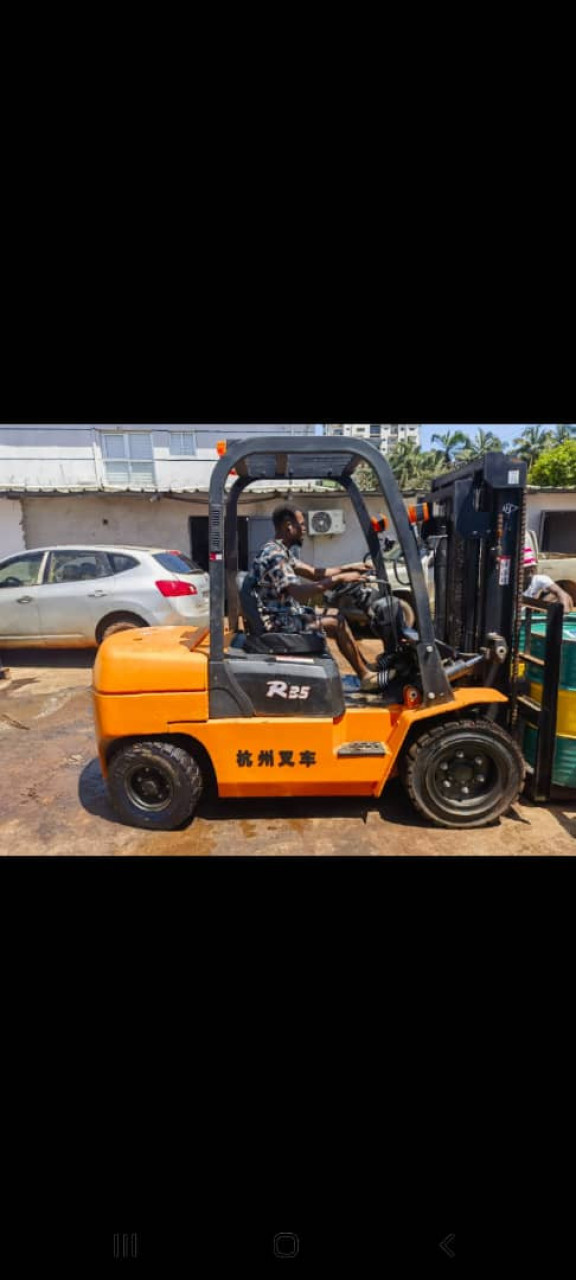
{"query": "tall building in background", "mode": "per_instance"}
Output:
(384, 435)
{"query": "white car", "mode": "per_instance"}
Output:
(76, 596)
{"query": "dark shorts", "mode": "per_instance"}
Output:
(309, 620)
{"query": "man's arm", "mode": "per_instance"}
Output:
(557, 593)
(542, 587)
(302, 593)
(358, 569)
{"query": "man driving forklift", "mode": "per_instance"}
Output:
(280, 595)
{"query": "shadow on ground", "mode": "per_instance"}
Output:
(22, 658)
(568, 824)
(93, 793)
(394, 806)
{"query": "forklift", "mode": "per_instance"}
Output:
(242, 712)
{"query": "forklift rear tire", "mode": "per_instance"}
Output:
(154, 785)
(464, 774)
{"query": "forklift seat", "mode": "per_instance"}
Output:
(258, 640)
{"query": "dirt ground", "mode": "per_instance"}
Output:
(53, 799)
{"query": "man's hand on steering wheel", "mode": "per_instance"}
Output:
(357, 566)
(347, 579)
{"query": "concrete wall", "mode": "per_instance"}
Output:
(321, 549)
(164, 521)
(11, 530)
(138, 521)
(93, 519)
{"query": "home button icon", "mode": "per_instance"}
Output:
(286, 1244)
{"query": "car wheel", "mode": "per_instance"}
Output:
(463, 774)
(120, 622)
(154, 785)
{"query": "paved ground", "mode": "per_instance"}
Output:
(53, 799)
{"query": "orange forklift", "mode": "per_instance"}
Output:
(245, 712)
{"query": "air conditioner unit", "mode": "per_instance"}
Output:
(325, 522)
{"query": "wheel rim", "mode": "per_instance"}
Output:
(466, 777)
(149, 788)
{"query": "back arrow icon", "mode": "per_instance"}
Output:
(445, 1245)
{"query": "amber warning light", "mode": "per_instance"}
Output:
(221, 447)
(418, 512)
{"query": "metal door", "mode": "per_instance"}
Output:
(75, 595)
(19, 616)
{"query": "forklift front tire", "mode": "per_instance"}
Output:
(463, 774)
(154, 785)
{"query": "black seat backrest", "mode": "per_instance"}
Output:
(248, 607)
(258, 640)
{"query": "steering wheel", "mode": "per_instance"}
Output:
(345, 587)
(11, 582)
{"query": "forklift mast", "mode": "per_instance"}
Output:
(477, 528)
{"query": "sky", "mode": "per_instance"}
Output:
(506, 432)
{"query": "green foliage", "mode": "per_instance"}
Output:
(483, 442)
(555, 466)
(532, 443)
(415, 470)
(450, 441)
(365, 478)
(563, 431)
(405, 460)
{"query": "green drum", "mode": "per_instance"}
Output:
(564, 766)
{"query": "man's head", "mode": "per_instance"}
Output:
(289, 525)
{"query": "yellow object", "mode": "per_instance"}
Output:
(155, 682)
(566, 709)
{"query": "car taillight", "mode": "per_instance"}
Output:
(172, 587)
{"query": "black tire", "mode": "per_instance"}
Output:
(118, 622)
(464, 774)
(154, 785)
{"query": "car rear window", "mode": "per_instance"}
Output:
(175, 562)
(121, 563)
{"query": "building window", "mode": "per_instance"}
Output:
(375, 432)
(128, 457)
(182, 444)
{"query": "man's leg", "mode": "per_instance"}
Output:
(335, 626)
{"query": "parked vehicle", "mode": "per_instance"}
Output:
(559, 565)
(77, 596)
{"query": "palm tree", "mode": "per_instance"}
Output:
(483, 442)
(533, 441)
(564, 431)
(405, 461)
(431, 464)
(449, 442)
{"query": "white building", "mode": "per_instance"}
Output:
(96, 483)
(146, 485)
(384, 435)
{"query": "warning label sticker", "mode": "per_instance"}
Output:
(504, 577)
